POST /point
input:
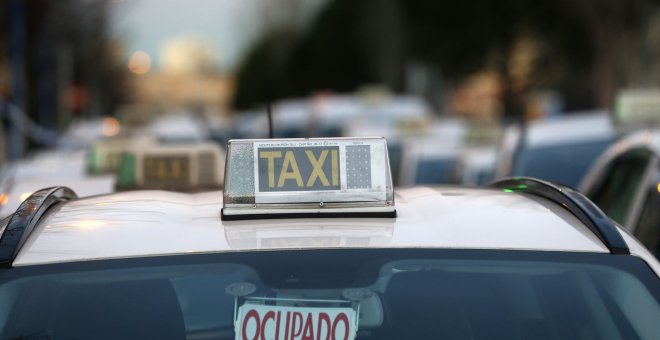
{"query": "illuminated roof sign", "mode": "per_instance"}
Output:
(276, 177)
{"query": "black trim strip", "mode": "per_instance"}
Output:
(26, 217)
(580, 206)
(387, 214)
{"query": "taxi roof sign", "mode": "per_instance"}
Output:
(638, 106)
(321, 177)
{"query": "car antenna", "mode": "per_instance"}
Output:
(270, 120)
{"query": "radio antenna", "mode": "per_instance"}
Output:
(270, 120)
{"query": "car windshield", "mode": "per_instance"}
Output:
(387, 294)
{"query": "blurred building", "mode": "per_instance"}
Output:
(56, 65)
(167, 90)
(187, 77)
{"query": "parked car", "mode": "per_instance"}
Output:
(625, 183)
(557, 149)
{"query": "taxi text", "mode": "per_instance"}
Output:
(298, 168)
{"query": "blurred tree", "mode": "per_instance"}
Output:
(581, 48)
(616, 30)
(263, 76)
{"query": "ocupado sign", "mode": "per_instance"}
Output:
(261, 322)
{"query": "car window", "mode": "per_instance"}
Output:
(388, 294)
(615, 190)
(565, 163)
(434, 171)
(648, 224)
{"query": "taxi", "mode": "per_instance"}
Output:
(309, 240)
(19, 179)
(557, 149)
(625, 180)
(183, 167)
(625, 183)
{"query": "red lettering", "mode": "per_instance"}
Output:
(323, 317)
(295, 332)
(251, 314)
(286, 330)
(277, 327)
(298, 326)
(308, 330)
(269, 315)
(340, 317)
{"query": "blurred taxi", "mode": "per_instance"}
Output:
(476, 165)
(477, 162)
(334, 115)
(637, 108)
(180, 167)
(84, 132)
(556, 149)
(105, 156)
(179, 128)
(430, 152)
(625, 180)
(308, 240)
(19, 179)
(625, 183)
(173, 152)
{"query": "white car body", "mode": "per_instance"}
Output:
(155, 223)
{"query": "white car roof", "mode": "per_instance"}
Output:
(152, 223)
